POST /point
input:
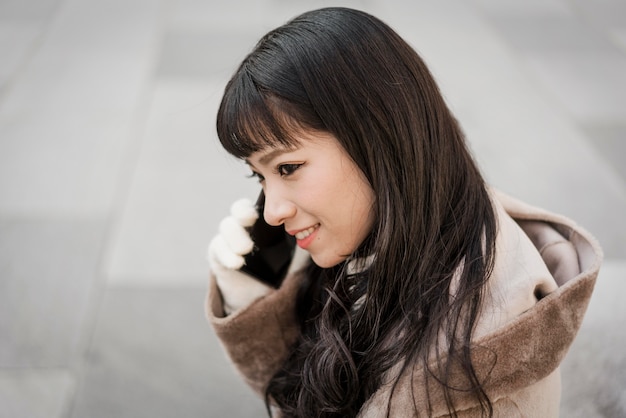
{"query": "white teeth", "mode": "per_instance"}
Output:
(306, 232)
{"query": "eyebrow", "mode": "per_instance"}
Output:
(267, 158)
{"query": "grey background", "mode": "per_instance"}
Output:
(112, 181)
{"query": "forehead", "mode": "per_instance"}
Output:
(314, 141)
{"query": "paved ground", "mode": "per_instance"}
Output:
(111, 181)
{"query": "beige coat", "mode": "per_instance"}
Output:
(544, 274)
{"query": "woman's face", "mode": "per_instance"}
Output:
(318, 193)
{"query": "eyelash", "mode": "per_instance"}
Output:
(283, 170)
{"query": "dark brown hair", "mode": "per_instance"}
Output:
(345, 72)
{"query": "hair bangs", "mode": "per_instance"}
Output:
(251, 119)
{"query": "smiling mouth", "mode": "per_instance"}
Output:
(303, 234)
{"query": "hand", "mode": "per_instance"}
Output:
(233, 242)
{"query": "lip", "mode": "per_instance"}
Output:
(304, 243)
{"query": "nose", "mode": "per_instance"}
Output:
(277, 208)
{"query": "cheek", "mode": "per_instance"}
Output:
(339, 196)
(321, 194)
(363, 219)
(358, 215)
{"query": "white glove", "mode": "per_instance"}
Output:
(233, 241)
(226, 256)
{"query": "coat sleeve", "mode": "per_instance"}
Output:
(257, 338)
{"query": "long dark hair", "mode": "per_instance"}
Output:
(345, 72)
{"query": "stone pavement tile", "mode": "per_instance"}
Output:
(224, 16)
(260, 15)
(525, 8)
(17, 41)
(47, 276)
(37, 393)
(610, 140)
(19, 10)
(561, 34)
(66, 119)
(204, 53)
(604, 14)
(594, 371)
(182, 187)
(577, 63)
(619, 38)
(154, 355)
(591, 86)
(283, 10)
(205, 39)
(21, 25)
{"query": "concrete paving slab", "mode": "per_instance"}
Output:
(154, 355)
(35, 393)
(590, 86)
(604, 14)
(551, 34)
(610, 140)
(530, 8)
(18, 10)
(64, 123)
(260, 15)
(48, 271)
(17, 42)
(193, 53)
(619, 37)
(594, 371)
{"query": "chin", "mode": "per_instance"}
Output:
(325, 261)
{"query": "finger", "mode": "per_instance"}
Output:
(220, 255)
(244, 211)
(236, 236)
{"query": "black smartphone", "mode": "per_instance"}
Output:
(273, 250)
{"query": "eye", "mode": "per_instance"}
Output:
(287, 169)
(256, 175)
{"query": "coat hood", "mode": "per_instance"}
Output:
(543, 278)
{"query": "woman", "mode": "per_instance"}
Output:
(421, 291)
